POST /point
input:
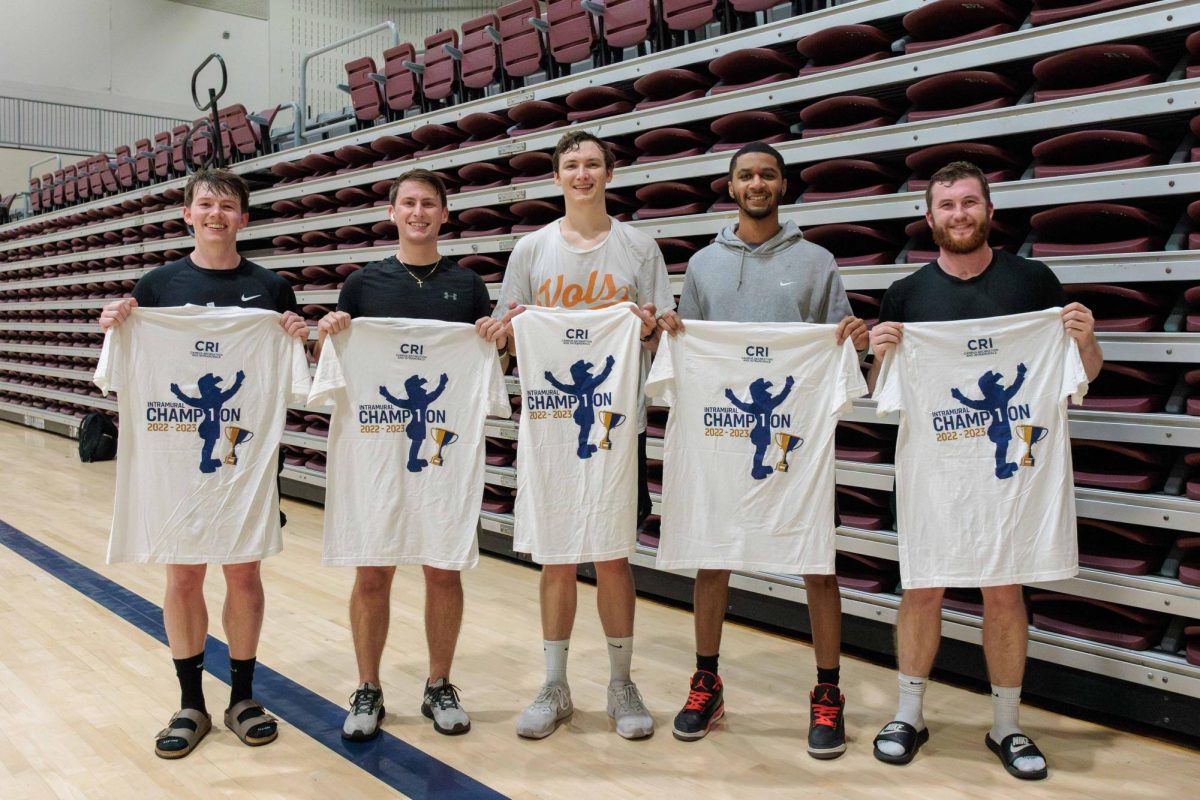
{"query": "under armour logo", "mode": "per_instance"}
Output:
(449, 295)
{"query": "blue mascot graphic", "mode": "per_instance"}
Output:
(760, 407)
(995, 402)
(585, 410)
(210, 401)
(417, 402)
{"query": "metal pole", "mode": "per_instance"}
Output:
(302, 110)
(28, 207)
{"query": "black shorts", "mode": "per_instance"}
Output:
(644, 506)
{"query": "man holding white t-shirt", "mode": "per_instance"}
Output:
(588, 260)
(970, 281)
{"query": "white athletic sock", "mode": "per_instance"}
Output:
(909, 709)
(1006, 704)
(556, 660)
(620, 656)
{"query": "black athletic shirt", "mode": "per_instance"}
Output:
(1009, 285)
(182, 283)
(384, 289)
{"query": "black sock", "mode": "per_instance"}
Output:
(190, 672)
(241, 676)
(829, 675)
(707, 663)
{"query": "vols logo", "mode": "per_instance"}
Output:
(995, 406)
(210, 409)
(417, 403)
(760, 412)
(581, 393)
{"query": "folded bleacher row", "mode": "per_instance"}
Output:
(1085, 115)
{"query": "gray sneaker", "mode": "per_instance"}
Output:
(551, 706)
(366, 712)
(626, 708)
(441, 705)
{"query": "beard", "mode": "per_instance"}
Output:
(761, 212)
(978, 238)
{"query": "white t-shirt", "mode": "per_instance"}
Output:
(203, 396)
(577, 452)
(405, 474)
(740, 393)
(627, 266)
(983, 457)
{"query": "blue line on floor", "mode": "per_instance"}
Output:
(396, 763)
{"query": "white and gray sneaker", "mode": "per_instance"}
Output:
(551, 706)
(366, 712)
(441, 705)
(626, 708)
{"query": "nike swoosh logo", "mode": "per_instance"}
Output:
(789, 283)
(251, 297)
(618, 646)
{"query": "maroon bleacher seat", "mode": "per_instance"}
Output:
(648, 531)
(845, 113)
(1096, 151)
(961, 92)
(480, 66)
(847, 177)
(522, 49)
(1046, 12)
(1191, 644)
(260, 125)
(437, 138)
(667, 86)
(391, 148)
(1112, 465)
(1096, 68)
(1129, 389)
(870, 444)
(484, 175)
(843, 46)
(439, 81)
(1117, 547)
(1193, 48)
(855, 245)
(688, 15)
(535, 214)
(487, 267)
(1097, 228)
(485, 221)
(484, 126)
(1123, 308)
(743, 127)
(964, 601)
(497, 499)
(998, 163)
(862, 508)
(749, 67)
(1193, 212)
(1097, 620)
(676, 253)
(35, 195)
(365, 94)
(667, 143)
(672, 199)
(946, 22)
(628, 23)
(866, 573)
(1189, 566)
(572, 36)
(534, 165)
(533, 116)
(594, 102)
(402, 91)
(1192, 459)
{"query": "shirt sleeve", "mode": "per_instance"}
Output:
(515, 288)
(301, 380)
(143, 292)
(483, 300)
(498, 404)
(1053, 295)
(891, 308)
(285, 299)
(837, 305)
(689, 298)
(888, 388)
(108, 375)
(348, 297)
(1075, 380)
(660, 383)
(654, 284)
(329, 380)
(850, 384)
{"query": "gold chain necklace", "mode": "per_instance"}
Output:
(420, 283)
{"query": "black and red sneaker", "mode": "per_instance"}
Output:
(826, 722)
(705, 705)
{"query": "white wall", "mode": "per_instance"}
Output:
(14, 169)
(127, 55)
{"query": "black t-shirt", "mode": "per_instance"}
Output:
(182, 283)
(1009, 285)
(385, 289)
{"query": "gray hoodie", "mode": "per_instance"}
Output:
(784, 279)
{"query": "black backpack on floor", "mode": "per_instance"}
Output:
(97, 438)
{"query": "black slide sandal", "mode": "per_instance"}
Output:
(904, 735)
(1014, 746)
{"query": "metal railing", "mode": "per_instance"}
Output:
(311, 54)
(62, 128)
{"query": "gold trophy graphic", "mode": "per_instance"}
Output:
(610, 420)
(236, 436)
(1030, 435)
(444, 438)
(786, 442)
